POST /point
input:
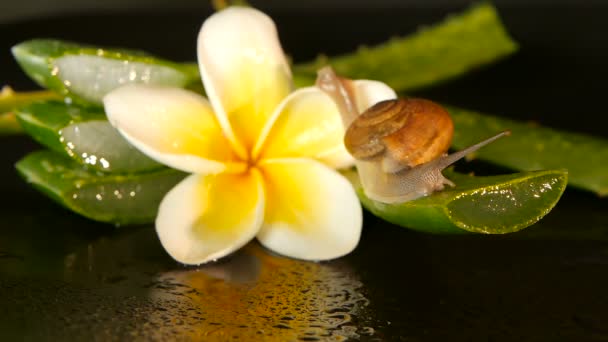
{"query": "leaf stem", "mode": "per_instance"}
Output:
(219, 5)
(9, 100)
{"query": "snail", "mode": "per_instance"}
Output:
(404, 133)
(400, 145)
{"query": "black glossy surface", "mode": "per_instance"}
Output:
(63, 277)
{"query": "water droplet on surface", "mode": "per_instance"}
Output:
(104, 163)
(366, 331)
(117, 194)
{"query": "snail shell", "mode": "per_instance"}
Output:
(403, 132)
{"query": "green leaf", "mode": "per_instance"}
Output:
(489, 205)
(84, 134)
(443, 51)
(115, 198)
(88, 73)
(533, 148)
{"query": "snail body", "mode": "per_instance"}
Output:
(399, 145)
(409, 184)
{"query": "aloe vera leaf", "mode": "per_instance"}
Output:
(84, 134)
(443, 51)
(109, 197)
(533, 148)
(489, 205)
(87, 73)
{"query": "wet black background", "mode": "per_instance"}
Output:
(546, 283)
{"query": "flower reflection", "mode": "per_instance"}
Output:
(257, 296)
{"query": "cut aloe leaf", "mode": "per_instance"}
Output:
(489, 205)
(88, 73)
(84, 134)
(532, 148)
(443, 51)
(115, 198)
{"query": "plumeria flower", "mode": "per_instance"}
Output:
(262, 156)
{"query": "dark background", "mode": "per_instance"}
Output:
(547, 283)
(16, 10)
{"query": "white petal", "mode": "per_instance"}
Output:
(244, 70)
(173, 126)
(368, 93)
(306, 124)
(207, 217)
(312, 211)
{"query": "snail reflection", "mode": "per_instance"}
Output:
(258, 296)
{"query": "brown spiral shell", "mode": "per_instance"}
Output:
(410, 131)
